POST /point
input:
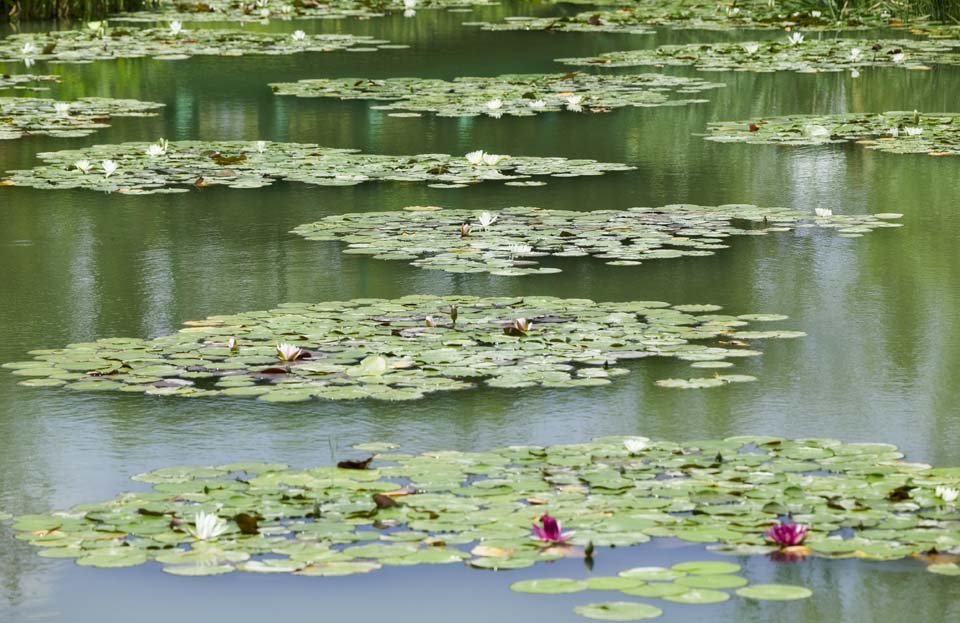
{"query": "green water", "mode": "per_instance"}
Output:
(880, 362)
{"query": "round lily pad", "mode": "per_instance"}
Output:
(549, 585)
(774, 592)
(619, 611)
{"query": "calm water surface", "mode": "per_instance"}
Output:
(880, 363)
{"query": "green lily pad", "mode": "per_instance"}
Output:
(935, 134)
(26, 116)
(706, 567)
(521, 95)
(187, 165)
(549, 586)
(699, 596)
(519, 236)
(619, 611)
(774, 592)
(80, 46)
(950, 568)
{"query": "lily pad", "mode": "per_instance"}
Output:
(619, 611)
(774, 592)
(521, 95)
(549, 586)
(26, 82)
(83, 46)
(24, 116)
(520, 236)
(808, 55)
(936, 134)
(197, 164)
(395, 350)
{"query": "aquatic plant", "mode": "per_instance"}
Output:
(386, 350)
(25, 116)
(238, 164)
(521, 95)
(787, 533)
(900, 132)
(434, 238)
(550, 530)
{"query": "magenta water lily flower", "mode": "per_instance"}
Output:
(550, 530)
(787, 533)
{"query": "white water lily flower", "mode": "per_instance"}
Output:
(520, 249)
(176, 27)
(751, 48)
(855, 54)
(486, 219)
(299, 35)
(522, 325)
(898, 57)
(795, 39)
(573, 103)
(409, 4)
(208, 526)
(635, 444)
(492, 159)
(536, 104)
(28, 62)
(261, 146)
(816, 131)
(62, 108)
(264, 12)
(948, 494)
(894, 132)
(83, 166)
(494, 104)
(913, 131)
(233, 345)
(823, 212)
(28, 48)
(158, 149)
(815, 13)
(288, 352)
(109, 167)
(475, 157)
(286, 9)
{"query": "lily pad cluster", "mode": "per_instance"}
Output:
(691, 582)
(84, 46)
(517, 94)
(401, 349)
(810, 56)
(861, 500)
(27, 82)
(240, 11)
(936, 134)
(433, 238)
(257, 164)
(680, 14)
(24, 116)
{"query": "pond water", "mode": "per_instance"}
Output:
(880, 362)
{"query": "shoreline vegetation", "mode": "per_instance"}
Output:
(17, 10)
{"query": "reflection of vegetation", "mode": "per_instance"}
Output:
(66, 9)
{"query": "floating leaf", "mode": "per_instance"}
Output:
(522, 235)
(24, 116)
(619, 611)
(774, 592)
(191, 164)
(549, 585)
(937, 134)
(520, 95)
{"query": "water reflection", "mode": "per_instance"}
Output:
(879, 364)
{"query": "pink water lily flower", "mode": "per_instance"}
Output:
(787, 533)
(550, 530)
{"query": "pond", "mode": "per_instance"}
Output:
(879, 362)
